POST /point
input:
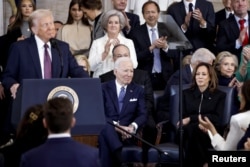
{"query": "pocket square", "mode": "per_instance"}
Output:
(134, 99)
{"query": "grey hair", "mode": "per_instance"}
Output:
(111, 13)
(121, 60)
(37, 15)
(202, 55)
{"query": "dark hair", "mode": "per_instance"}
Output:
(245, 92)
(19, 17)
(70, 19)
(31, 130)
(118, 45)
(213, 83)
(58, 114)
(148, 3)
(92, 4)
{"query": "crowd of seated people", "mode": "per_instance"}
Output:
(92, 40)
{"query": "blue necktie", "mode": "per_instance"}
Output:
(47, 63)
(121, 97)
(156, 51)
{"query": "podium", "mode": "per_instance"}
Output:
(85, 94)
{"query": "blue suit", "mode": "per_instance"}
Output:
(24, 63)
(133, 110)
(63, 152)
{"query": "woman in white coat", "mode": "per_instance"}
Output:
(238, 123)
(100, 55)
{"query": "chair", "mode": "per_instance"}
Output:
(171, 147)
(133, 154)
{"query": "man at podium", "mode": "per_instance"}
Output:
(40, 56)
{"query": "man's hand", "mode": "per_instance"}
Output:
(13, 90)
(125, 135)
(161, 43)
(198, 16)
(127, 22)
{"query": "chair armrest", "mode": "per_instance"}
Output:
(159, 131)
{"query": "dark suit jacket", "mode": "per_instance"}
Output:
(24, 63)
(212, 104)
(199, 37)
(145, 58)
(5, 43)
(133, 110)
(163, 110)
(228, 33)
(134, 22)
(220, 16)
(141, 78)
(63, 152)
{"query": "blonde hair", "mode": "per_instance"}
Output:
(221, 56)
(80, 58)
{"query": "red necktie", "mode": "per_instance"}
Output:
(47, 63)
(245, 41)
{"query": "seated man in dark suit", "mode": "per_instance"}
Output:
(60, 149)
(124, 105)
(36, 57)
(200, 55)
(141, 78)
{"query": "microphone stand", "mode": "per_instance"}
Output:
(180, 48)
(139, 138)
(54, 45)
(186, 45)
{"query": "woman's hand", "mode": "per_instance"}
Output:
(205, 124)
(247, 144)
(185, 121)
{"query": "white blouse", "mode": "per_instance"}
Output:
(100, 67)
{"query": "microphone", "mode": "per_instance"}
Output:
(139, 138)
(53, 42)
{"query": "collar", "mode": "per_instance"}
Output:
(237, 18)
(197, 93)
(118, 86)
(58, 135)
(186, 4)
(149, 27)
(40, 43)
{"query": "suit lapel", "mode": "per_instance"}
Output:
(234, 27)
(35, 56)
(128, 95)
(146, 36)
(162, 30)
(113, 95)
